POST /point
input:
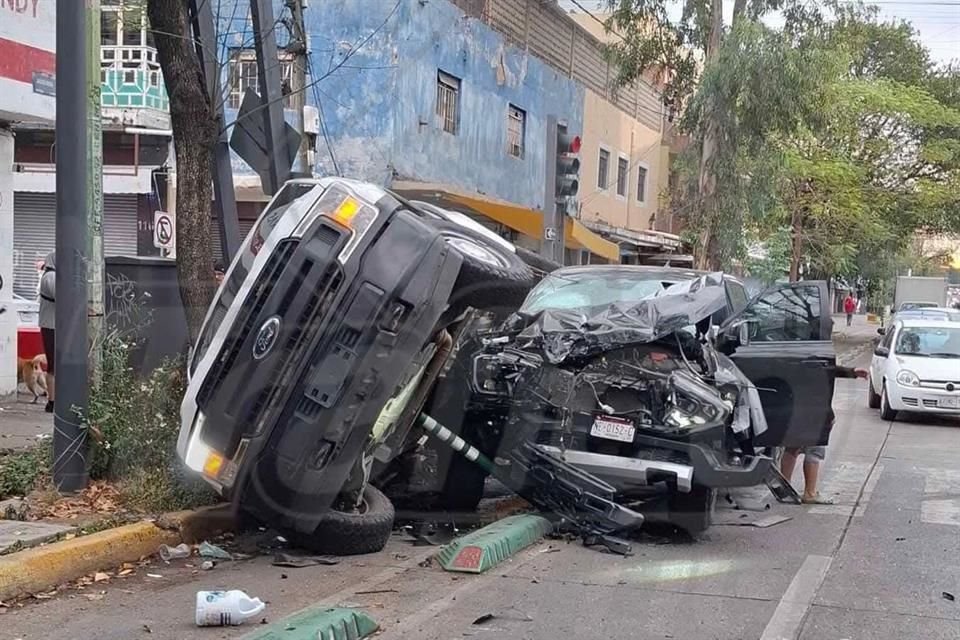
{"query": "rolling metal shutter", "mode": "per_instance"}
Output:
(34, 228)
(245, 225)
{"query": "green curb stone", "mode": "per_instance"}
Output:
(322, 623)
(487, 547)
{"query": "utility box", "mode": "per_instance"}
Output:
(142, 302)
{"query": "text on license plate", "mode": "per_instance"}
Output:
(949, 403)
(611, 429)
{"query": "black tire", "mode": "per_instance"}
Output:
(348, 534)
(537, 261)
(491, 276)
(886, 413)
(692, 512)
(873, 398)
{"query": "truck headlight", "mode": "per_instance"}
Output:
(204, 459)
(908, 378)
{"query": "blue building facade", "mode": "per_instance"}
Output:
(378, 69)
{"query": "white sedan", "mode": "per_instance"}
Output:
(916, 367)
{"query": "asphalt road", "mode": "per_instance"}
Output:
(872, 567)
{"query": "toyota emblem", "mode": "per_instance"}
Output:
(266, 337)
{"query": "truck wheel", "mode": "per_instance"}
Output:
(342, 533)
(537, 261)
(886, 413)
(693, 512)
(491, 276)
(873, 398)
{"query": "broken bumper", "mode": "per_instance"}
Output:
(705, 468)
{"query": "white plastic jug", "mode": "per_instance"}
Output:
(224, 608)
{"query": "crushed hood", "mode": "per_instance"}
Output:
(564, 333)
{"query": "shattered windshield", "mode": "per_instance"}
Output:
(591, 289)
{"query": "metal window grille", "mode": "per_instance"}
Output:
(516, 124)
(448, 98)
(243, 75)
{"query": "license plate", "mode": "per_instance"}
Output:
(612, 429)
(949, 403)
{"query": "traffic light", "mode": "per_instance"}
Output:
(568, 165)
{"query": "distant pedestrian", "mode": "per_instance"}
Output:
(48, 313)
(849, 306)
(814, 455)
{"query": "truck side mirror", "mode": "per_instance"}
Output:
(882, 331)
(883, 352)
(744, 334)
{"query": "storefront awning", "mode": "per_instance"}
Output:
(529, 222)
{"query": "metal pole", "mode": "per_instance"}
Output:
(271, 92)
(553, 217)
(298, 47)
(69, 437)
(223, 192)
(94, 166)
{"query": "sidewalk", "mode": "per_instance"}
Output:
(23, 423)
(859, 332)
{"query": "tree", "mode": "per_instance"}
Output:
(651, 41)
(194, 133)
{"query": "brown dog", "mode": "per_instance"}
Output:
(31, 375)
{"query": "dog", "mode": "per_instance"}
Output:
(30, 373)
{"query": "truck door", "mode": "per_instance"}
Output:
(787, 352)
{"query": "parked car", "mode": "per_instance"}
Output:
(322, 342)
(663, 383)
(930, 313)
(916, 367)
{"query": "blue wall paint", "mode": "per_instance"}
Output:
(381, 107)
(375, 66)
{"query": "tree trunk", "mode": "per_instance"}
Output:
(194, 135)
(708, 257)
(796, 252)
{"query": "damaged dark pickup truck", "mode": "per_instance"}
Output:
(354, 322)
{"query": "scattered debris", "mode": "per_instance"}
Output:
(900, 539)
(550, 549)
(746, 520)
(154, 575)
(946, 595)
(100, 576)
(207, 550)
(373, 591)
(484, 619)
(299, 562)
(207, 565)
(401, 556)
(147, 629)
(179, 552)
(226, 608)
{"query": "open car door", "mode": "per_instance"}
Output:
(785, 347)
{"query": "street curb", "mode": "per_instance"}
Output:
(42, 568)
(319, 623)
(485, 548)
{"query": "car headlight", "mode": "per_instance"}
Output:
(908, 378)
(204, 459)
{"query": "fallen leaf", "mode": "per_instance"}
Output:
(154, 575)
(485, 618)
(946, 595)
(100, 576)
(124, 573)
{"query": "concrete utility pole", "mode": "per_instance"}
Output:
(271, 92)
(300, 50)
(205, 34)
(94, 166)
(69, 436)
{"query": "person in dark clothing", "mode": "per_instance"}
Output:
(814, 455)
(48, 311)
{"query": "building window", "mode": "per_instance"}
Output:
(623, 170)
(243, 75)
(448, 102)
(603, 169)
(516, 129)
(642, 184)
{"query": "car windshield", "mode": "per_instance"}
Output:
(594, 289)
(907, 306)
(930, 342)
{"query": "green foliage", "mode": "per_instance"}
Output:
(22, 471)
(134, 425)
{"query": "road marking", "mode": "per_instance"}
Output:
(844, 484)
(789, 614)
(945, 507)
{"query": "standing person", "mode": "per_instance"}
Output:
(48, 312)
(814, 455)
(849, 306)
